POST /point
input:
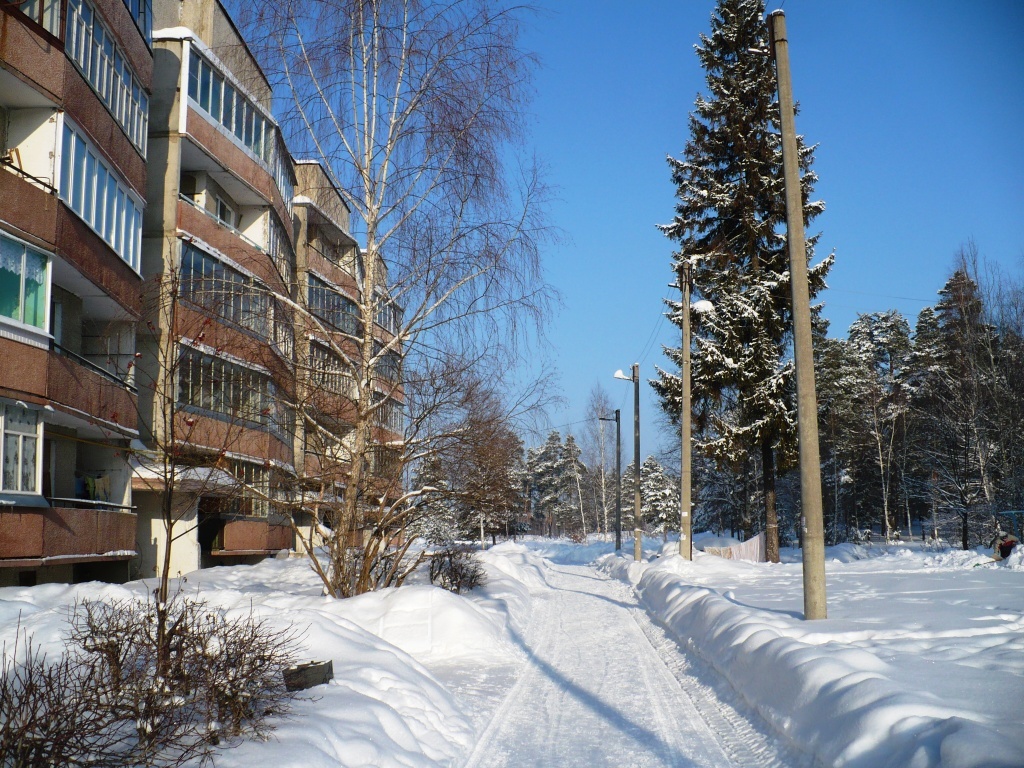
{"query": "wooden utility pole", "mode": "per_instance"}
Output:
(803, 351)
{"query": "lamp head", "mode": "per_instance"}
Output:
(620, 375)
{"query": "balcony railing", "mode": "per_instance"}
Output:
(8, 162)
(209, 214)
(97, 369)
(89, 503)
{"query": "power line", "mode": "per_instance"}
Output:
(882, 295)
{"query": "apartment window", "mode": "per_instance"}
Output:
(327, 371)
(385, 462)
(91, 47)
(142, 15)
(388, 365)
(23, 283)
(20, 458)
(280, 250)
(46, 13)
(238, 115)
(284, 332)
(224, 291)
(389, 316)
(390, 415)
(224, 387)
(254, 496)
(227, 106)
(92, 190)
(338, 311)
(225, 213)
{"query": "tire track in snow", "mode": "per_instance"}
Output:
(742, 734)
(594, 690)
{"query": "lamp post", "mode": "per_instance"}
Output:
(637, 522)
(618, 478)
(803, 352)
(686, 459)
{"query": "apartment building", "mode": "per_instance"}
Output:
(331, 280)
(218, 339)
(181, 318)
(74, 110)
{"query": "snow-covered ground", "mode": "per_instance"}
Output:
(920, 663)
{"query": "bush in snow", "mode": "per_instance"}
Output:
(48, 716)
(116, 699)
(222, 676)
(456, 568)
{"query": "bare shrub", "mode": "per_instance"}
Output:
(456, 569)
(224, 675)
(47, 714)
(103, 704)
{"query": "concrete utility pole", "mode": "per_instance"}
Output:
(803, 352)
(637, 523)
(638, 554)
(686, 476)
(618, 478)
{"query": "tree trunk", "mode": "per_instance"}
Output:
(771, 515)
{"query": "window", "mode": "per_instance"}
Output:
(390, 416)
(327, 371)
(46, 13)
(389, 316)
(114, 213)
(210, 90)
(91, 47)
(23, 283)
(20, 449)
(280, 250)
(224, 387)
(338, 311)
(239, 116)
(224, 291)
(225, 213)
(388, 365)
(385, 462)
(284, 332)
(253, 499)
(142, 15)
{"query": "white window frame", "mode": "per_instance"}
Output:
(42, 330)
(5, 406)
(121, 224)
(90, 45)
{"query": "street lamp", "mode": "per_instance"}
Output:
(637, 523)
(686, 458)
(618, 478)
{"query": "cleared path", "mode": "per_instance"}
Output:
(604, 687)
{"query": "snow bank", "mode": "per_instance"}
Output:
(383, 708)
(839, 703)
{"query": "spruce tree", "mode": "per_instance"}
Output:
(954, 402)
(730, 228)
(544, 466)
(881, 342)
(659, 497)
(572, 471)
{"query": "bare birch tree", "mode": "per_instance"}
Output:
(415, 110)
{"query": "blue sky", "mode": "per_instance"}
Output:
(918, 111)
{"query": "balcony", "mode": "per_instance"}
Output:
(86, 388)
(32, 537)
(33, 53)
